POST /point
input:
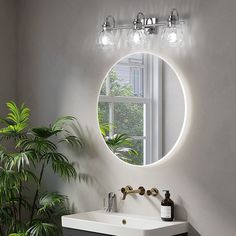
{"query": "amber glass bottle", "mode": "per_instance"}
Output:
(167, 208)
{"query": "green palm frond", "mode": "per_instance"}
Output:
(18, 228)
(53, 215)
(19, 234)
(16, 121)
(55, 156)
(9, 186)
(13, 130)
(45, 132)
(6, 214)
(40, 145)
(121, 146)
(51, 200)
(2, 148)
(25, 203)
(57, 213)
(3, 156)
(6, 121)
(64, 169)
(122, 151)
(40, 228)
(104, 128)
(118, 139)
(20, 160)
(18, 114)
(8, 195)
(27, 175)
(57, 125)
(8, 178)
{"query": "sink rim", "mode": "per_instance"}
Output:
(76, 221)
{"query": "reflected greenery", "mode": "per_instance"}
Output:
(128, 122)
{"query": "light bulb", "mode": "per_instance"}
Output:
(173, 35)
(106, 39)
(136, 37)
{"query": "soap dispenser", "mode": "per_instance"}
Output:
(167, 207)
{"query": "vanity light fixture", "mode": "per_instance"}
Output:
(142, 27)
(136, 35)
(173, 32)
(106, 36)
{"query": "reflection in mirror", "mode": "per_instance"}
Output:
(141, 109)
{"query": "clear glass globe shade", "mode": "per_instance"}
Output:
(136, 37)
(173, 36)
(106, 39)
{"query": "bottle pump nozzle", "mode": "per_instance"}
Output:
(167, 194)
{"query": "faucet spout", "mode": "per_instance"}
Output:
(124, 195)
(125, 191)
(111, 202)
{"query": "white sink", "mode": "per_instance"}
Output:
(121, 224)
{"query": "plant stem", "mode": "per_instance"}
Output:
(1, 230)
(14, 210)
(37, 192)
(20, 187)
(20, 201)
(20, 197)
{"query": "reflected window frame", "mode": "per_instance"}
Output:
(152, 69)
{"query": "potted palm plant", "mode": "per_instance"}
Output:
(25, 152)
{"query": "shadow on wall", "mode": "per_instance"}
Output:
(78, 152)
(87, 151)
(180, 212)
(182, 215)
(192, 231)
(74, 152)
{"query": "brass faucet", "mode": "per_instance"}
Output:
(128, 189)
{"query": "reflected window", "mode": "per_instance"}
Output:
(126, 101)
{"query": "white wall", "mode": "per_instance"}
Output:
(7, 52)
(60, 72)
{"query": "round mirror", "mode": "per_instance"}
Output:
(141, 109)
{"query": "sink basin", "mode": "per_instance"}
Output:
(121, 224)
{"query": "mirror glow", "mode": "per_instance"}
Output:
(141, 109)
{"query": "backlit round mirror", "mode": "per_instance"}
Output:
(141, 109)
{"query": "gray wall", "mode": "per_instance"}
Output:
(7, 51)
(61, 70)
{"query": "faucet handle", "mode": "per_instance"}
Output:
(142, 190)
(111, 195)
(153, 191)
(126, 188)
